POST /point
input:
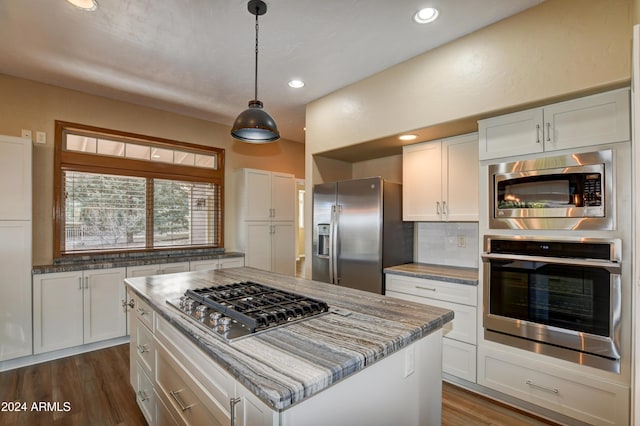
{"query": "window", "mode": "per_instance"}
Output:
(119, 192)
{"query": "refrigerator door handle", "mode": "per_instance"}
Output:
(333, 250)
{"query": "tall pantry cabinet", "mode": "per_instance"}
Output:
(15, 247)
(266, 219)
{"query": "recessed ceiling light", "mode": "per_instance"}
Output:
(88, 5)
(426, 15)
(407, 137)
(296, 84)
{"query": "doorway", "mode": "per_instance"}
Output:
(300, 258)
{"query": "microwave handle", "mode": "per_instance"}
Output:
(613, 267)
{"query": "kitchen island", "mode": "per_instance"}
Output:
(371, 360)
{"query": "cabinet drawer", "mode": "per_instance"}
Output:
(433, 289)
(144, 348)
(587, 398)
(463, 326)
(215, 381)
(187, 400)
(143, 313)
(145, 396)
(163, 415)
(459, 359)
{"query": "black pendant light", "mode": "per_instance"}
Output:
(255, 125)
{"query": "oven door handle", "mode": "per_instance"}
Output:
(613, 267)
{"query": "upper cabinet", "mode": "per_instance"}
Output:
(266, 195)
(440, 180)
(15, 184)
(591, 120)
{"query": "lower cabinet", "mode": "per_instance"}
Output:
(270, 246)
(75, 308)
(157, 269)
(459, 342)
(176, 394)
(226, 262)
(587, 398)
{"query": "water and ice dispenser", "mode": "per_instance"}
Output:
(323, 239)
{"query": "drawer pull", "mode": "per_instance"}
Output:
(141, 311)
(544, 388)
(142, 395)
(142, 349)
(182, 406)
(233, 402)
(425, 288)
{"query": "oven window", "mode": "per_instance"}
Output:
(565, 296)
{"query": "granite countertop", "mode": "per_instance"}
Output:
(453, 274)
(285, 365)
(78, 263)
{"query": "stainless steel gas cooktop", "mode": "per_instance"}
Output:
(242, 309)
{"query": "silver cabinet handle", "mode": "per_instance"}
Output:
(131, 304)
(86, 282)
(232, 403)
(548, 131)
(182, 406)
(537, 133)
(142, 348)
(79, 283)
(142, 395)
(544, 388)
(445, 211)
(425, 288)
(438, 208)
(141, 311)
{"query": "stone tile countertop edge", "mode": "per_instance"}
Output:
(283, 366)
(119, 262)
(453, 274)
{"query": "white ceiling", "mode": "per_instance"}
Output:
(196, 57)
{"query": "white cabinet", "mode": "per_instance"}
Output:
(440, 180)
(15, 178)
(15, 289)
(578, 395)
(266, 219)
(222, 263)
(15, 248)
(157, 269)
(269, 246)
(591, 120)
(73, 308)
(459, 343)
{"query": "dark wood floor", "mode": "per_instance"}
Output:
(96, 388)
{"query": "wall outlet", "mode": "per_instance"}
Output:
(41, 137)
(462, 243)
(26, 134)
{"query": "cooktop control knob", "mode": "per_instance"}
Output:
(224, 323)
(215, 317)
(201, 311)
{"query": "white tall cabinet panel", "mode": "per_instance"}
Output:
(104, 316)
(266, 219)
(15, 289)
(15, 247)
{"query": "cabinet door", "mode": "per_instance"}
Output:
(422, 182)
(204, 265)
(57, 311)
(258, 245)
(460, 178)
(104, 316)
(15, 290)
(283, 197)
(172, 268)
(512, 134)
(257, 194)
(142, 271)
(231, 262)
(283, 248)
(592, 120)
(15, 178)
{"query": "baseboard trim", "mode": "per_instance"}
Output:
(62, 353)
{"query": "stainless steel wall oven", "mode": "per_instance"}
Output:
(560, 297)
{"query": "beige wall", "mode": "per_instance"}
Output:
(553, 50)
(29, 105)
(388, 168)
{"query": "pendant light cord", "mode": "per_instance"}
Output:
(256, 73)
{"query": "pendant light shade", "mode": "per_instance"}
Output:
(254, 124)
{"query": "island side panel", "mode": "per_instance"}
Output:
(403, 389)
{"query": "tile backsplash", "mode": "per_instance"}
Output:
(450, 243)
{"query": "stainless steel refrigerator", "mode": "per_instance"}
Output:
(358, 231)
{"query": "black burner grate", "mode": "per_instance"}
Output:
(258, 306)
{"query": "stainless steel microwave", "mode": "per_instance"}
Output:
(558, 192)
